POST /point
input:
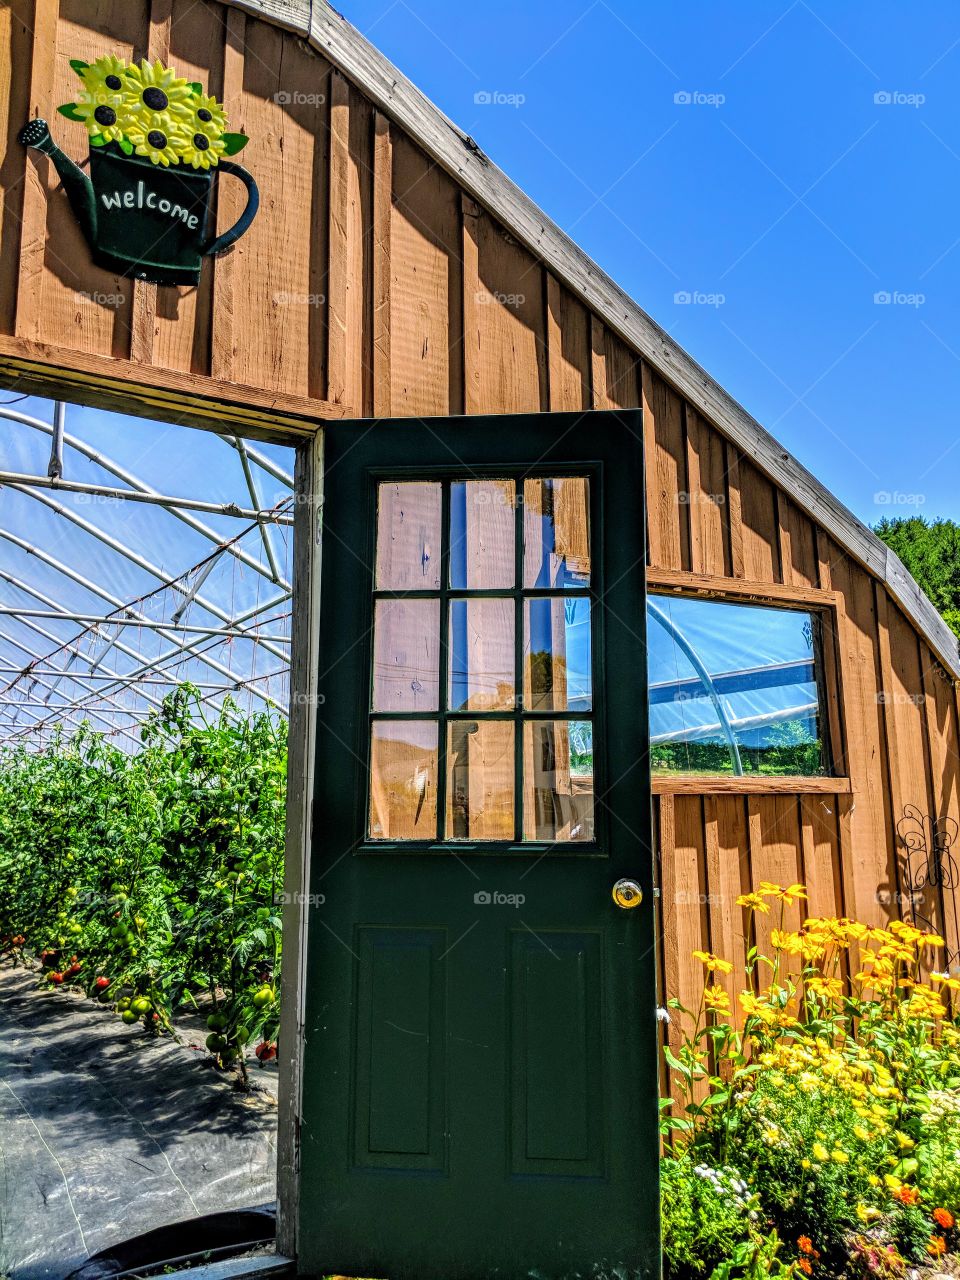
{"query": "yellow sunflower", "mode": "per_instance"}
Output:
(162, 147)
(204, 128)
(158, 97)
(101, 105)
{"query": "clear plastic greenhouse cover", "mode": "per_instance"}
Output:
(106, 604)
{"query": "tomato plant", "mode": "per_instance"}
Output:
(152, 879)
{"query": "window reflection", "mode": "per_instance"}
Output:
(733, 688)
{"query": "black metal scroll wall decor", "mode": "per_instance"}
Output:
(930, 871)
(156, 142)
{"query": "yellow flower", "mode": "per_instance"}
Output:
(158, 96)
(788, 896)
(204, 128)
(820, 1152)
(753, 902)
(712, 963)
(716, 1000)
(755, 1008)
(839, 1157)
(157, 144)
(782, 940)
(101, 102)
(860, 1132)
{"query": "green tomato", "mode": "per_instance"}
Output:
(216, 1022)
(263, 997)
(141, 1005)
(242, 1035)
(128, 1016)
(216, 1042)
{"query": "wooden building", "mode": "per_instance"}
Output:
(394, 271)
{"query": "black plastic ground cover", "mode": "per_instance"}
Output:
(107, 1134)
(211, 1238)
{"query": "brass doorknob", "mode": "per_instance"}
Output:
(627, 894)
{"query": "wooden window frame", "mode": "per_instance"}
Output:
(825, 604)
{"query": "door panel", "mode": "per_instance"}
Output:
(480, 1093)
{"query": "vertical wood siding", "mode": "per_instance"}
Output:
(371, 280)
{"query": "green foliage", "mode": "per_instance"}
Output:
(158, 871)
(706, 1214)
(931, 551)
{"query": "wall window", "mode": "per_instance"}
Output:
(734, 688)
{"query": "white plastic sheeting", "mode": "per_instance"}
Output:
(106, 603)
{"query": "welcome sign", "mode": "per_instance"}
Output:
(156, 141)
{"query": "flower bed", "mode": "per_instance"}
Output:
(818, 1132)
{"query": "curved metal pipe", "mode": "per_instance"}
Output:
(684, 644)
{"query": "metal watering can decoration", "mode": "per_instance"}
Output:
(156, 141)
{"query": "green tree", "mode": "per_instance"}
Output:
(931, 551)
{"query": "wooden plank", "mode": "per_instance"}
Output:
(666, 467)
(705, 784)
(684, 914)
(775, 847)
(761, 529)
(734, 511)
(941, 731)
(510, 321)
(382, 218)
(798, 556)
(706, 481)
(182, 325)
(426, 302)
(337, 277)
(16, 52)
(143, 303)
(122, 386)
(598, 364)
(304, 676)
(820, 846)
(40, 20)
(223, 319)
(759, 592)
(721, 889)
(569, 350)
(472, 394)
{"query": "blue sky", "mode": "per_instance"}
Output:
(814, 165)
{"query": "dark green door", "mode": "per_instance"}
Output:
(480, 1084)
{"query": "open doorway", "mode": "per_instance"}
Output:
(146, 607)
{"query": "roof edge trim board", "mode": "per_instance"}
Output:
(333, 36)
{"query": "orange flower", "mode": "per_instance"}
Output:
(806, 1266)
(907, 1195)
(937, 1247)
(805, 1244)
(943, 1218)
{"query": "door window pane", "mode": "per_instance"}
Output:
(406, 655)
(482, 534)
(403, 780)
(557, 654)
(734, 688)
(556, 532)
(408, 537)
(480, 780)
(482, 655)
(558, 780)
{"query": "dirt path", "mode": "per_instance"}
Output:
(106, 1132)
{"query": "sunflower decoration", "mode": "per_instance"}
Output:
(150, 111)
(101, 104)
